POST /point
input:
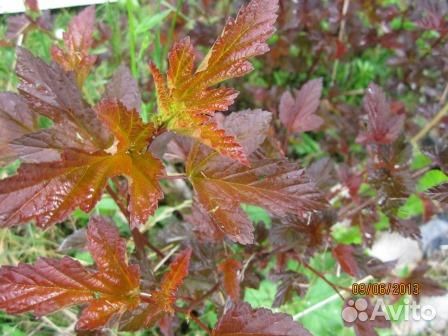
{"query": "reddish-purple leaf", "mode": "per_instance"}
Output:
(186, 99)
(16, 120)
(160, 301)
(221, 185)
(204, 226)
(288, 283)
(384, 126)
(344, 254)
(77, 43)
(298, 112)
(50, 284)
(165, 297)
(125, 88)
(48, 192)
(242, 320)
(303, 234)
(439, 193)
(230, 269)
(16, 26)
(249, 127)
(355, 262)
(54, 94)
(32, 5)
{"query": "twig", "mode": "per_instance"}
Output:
(194, 318)
(341, 34)
(200, 324)
(59, 330)
(139, 240)
(146, 297)
(344, 212)
(320, 275)
(173, 176)
(119, 202)
(195, 302)
(328, 300)
(167, 256)
(432, 123)
(444, 95)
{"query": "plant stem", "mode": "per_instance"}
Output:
(166, 257)
(203, 297)
(119, 202)
(320, 275)
(432, 123)
(194, 318)
(174, 176)
(326, 301)
(131, 35)
(179, 4)
(139, 239)
(341, 34)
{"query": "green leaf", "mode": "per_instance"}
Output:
(431, 179)
(257, 214)
(413, 207)
(346, 235)
(152, 22)
(261, 297)
(419, 161)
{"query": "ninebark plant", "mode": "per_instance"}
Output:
(228, 160)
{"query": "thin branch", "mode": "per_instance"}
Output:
(327, 301)
(146, 297)
(320, 275)
(432, 123)
(444, 95)
(195, 302)
(167, 256)
(193, 318)
(200, 324)
(139, 239)
(173, 176)
(119, 202)
(341, 34)
(344, 212)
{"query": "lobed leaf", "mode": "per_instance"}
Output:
(249, 127)
(52, 93)
(77, 42)
(165, 297)
(16, 120)
(298, 112)
(124, 87)
(303, 234)
(344, 254)
(384, 127)
(221, 185)
(203, 225)
(242, 38)
(356, 263)
(242, 320)
(48, 192)
(288, 283)
(50, 284)
(439, 193)
(186, 100)
(160, 301)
